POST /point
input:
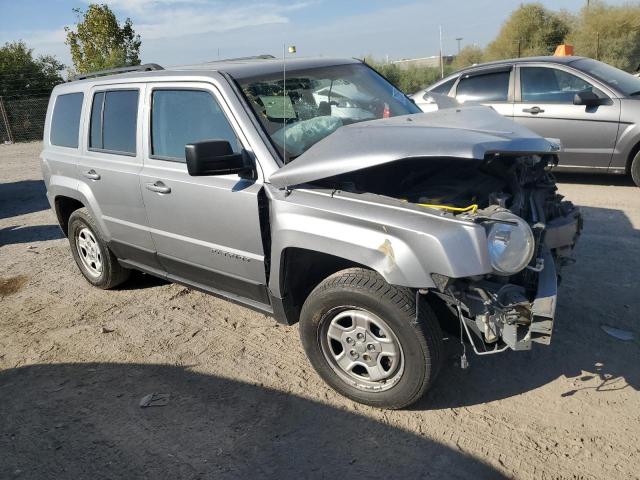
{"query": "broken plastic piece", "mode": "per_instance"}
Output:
(154, 400)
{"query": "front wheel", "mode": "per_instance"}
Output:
(363, 338)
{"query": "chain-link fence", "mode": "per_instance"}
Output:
(22, 118)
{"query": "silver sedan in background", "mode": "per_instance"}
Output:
(591, 107)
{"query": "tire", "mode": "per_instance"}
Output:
(635, 169)
(91, 253)
(339, 307)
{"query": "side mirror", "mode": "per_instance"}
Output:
(588, 98)
(214, 157)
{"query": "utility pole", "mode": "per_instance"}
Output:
(459, 39)
(441, 59)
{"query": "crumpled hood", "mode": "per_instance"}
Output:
(465, 132)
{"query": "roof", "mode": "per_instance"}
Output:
(548, 58)
(543, 59)
(237, 68)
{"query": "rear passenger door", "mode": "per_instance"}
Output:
(207, 229)
(109, 167)
(489, 86)
(544, 103)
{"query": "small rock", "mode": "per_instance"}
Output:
(106, 330)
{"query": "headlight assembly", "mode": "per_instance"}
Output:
(511, 245)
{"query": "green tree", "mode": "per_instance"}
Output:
(609, 33)
(410, 79)
(469, 55)
(100, 42)
(21, 74)
(531, 29)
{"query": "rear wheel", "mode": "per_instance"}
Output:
(635, 169)
(91, 253)
(362, 337)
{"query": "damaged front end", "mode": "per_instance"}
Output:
(514, 306)
(531, 232)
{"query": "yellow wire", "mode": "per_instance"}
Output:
(470, 208)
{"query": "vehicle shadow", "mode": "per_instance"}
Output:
(601, 288)
(84, 421)
(140, 281)
(22, 197)
(28, 234)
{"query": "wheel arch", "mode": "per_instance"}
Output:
(301, 270)
(64, 206)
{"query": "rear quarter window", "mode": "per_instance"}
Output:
(65, 122)
(444, 88)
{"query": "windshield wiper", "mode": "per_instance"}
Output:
(634, 93)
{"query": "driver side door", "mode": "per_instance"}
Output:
(206, 229)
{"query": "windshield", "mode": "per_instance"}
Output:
(622, 81)
(318, 101)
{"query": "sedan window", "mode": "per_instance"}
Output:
(550, 85)
(488, 87)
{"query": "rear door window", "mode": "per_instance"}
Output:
(114, 116)
(65, 122)
(484, 88)
(180, 117)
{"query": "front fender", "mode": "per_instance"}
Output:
(404, 243)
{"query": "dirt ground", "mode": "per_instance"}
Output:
(75, 361)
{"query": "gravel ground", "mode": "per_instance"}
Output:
(243, 402)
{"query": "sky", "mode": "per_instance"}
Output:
(178, 32)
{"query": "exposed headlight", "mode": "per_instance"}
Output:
(511, 245)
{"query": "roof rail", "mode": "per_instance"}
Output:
(147, 67)
(264, 56)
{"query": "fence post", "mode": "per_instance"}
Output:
(3, 114)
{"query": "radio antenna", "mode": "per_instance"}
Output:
(292, 49)
(284, 102)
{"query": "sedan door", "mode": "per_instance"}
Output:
(544, 103)
(207, 229)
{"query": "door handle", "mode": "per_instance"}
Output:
(158, 187)
(92, 174)
(533, 110)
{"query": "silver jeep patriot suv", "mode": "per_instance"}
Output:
(316, 192)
